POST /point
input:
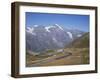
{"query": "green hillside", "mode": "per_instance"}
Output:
(82, 42)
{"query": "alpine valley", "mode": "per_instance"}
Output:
(55, 45)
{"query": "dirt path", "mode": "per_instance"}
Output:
(48, 60)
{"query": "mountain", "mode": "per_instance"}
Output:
(82, 42)
(40, 37)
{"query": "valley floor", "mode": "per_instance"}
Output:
(69, 56)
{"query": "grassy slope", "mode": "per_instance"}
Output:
(82, 42)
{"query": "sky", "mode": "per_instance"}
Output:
(69, 21)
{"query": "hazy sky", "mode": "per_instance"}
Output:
(80, 22)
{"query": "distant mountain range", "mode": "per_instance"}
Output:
(40, 38)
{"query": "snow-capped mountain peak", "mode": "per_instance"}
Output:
(53, 26)
(30, 30)
(47, 28)
(70, 35)
(59, 26)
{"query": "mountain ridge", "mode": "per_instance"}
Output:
(40, 37)
(81, 42)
